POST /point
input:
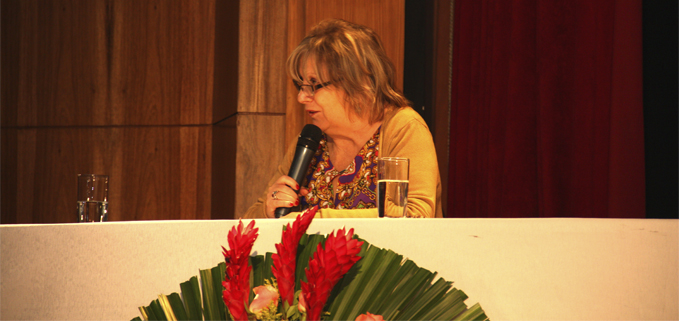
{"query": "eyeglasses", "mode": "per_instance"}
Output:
(309, 90)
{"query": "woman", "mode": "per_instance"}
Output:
(346, 84)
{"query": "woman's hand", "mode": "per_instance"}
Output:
(282, 194)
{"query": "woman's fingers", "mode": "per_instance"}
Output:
(287, 180)
(281, 194)
(284, 197)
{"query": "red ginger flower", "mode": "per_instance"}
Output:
(237, 279)
(327, 267)
(284, 261)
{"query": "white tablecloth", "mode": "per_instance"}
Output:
(517, 269)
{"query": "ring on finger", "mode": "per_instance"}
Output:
(274, 196)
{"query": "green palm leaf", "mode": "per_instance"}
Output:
(261, 270)
(191, 295)
(210, 296)
(307, 246)
(153, 312)
(175, 301)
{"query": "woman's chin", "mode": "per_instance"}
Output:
(322, 125)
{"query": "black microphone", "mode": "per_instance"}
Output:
(307, 144)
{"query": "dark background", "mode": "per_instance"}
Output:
(660, 107)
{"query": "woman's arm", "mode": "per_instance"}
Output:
(407, 135)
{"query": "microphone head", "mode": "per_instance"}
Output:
(310, 137)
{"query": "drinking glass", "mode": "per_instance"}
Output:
(392, 186)
(92, 198)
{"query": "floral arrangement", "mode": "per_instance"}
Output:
(312, 277)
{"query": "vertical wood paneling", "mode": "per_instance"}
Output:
(113, 87)
(84, 62)
(226, 60)
(154, 172)
(10, 29)
(259, 150)
(262, 55)
(166, 173)
(162, 62)
(224, 144)
(225, 107)
(8, 181)
(262, 89)
(60, 76)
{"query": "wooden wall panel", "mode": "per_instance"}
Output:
(55, 73)
(224, 149)
(262, 88)
(8, 175)
(116, 87)
(166, 173)
(226, 60)
(262, 55)
(84, 62)
(9, 69)
(154, 172)
(161, 62)
(259, 151)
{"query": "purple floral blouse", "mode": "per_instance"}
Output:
(357, 184)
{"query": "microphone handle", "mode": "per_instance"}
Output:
(298, 169)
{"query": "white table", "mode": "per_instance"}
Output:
(517, 269)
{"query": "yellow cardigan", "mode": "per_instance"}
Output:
(403, 134)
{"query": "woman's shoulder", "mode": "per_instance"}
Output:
(397, 117)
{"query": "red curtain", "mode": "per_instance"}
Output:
(546, 115)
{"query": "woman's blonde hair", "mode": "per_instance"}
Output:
(351, 57)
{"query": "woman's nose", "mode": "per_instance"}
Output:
(304, 98)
